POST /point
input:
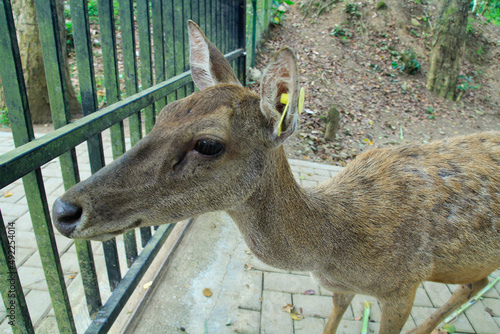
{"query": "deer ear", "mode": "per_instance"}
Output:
(280, 78)
(209, 67)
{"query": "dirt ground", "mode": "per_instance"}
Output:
(379, 105)
(346, 61)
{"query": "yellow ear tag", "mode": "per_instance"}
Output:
(283, 100)
(302, 96)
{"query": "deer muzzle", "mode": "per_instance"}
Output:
(66, 216)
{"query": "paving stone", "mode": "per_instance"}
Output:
(437, 292)
(38, 304)
(16, 193)
(244, 321)
(10, 186)
(481, 321)
(52, 169)
(69, 264)
(63, 243)
(493, 304)
(322, 172)
(273, 319)
(26, 239)
(5, 327)
(23, 223)
(358, 307)
(421, 298)
(313, 177)
(309, 325)
(350, 327)
(13, 209)
(308, 183)
(251, 290)
(325, 292)
(32, 278)
(259, 265)
(493, 293)
(289, 283)
(48, 325)
(410, 324)
(420, 313)
(34, 260)
(22, 255)
(315, 306)
(51, 184)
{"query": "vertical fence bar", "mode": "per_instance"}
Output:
(157, 7)
(54, 64)
(168, 28)
(130, 66)
(110, 66)
(218, 24)
(10, 286)
(187, 13)
(242, 29)
(178, 11)
(85, 66)
(144, 27)
(17, 103)
(254, 31)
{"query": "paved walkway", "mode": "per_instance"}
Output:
(248, 296)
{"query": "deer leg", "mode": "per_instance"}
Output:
(396, 310)
(459, 297)
(341, 302)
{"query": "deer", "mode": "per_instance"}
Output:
(391, 219)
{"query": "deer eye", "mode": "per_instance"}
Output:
(208, 147)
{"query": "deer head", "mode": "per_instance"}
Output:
(206, 152)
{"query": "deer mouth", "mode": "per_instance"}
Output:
(110, 234)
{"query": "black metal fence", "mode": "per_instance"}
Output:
(155, 71)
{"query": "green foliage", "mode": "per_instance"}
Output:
(352, 10)
(467, 83)
(92, 8)
(430, 113)
(493, 13)
(470, 28)
(4, 118)
(277, 16)
(381, 5)
(69, 36)
(338, 31)
(407, 62)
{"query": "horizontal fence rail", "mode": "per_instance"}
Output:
(131, 59)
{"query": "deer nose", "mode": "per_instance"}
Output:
(66, 216)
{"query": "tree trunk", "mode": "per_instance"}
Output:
(448, 48)
(32, 61)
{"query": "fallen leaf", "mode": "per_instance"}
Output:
(296, 316)
(207, 292)
(7, 194)
(309, 292)
(490, 311)
(248, 266)
(147, 285)
(288, 308)
(449, 328)
(71, 276)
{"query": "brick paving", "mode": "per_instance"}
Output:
(253, 299)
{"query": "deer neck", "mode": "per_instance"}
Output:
(275, 220)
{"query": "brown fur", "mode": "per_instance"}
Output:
(390, 220)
